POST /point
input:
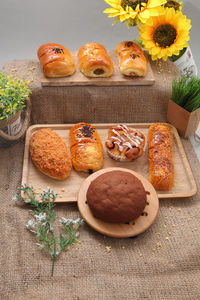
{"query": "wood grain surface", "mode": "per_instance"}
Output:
(67, 190)
(116, 79)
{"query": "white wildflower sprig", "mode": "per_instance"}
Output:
(42, 223)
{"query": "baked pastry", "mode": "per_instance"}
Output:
(86, 148)
(124, 143)
(49, 154)
(116, 197)
(56, 60)
(160, 154)
(132, 61)
(94, 61)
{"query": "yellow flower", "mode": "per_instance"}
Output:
(133, 11)
(166, 34)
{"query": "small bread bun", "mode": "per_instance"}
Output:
(94, 61)
(124, 143)
(132, 61)
(49, 154)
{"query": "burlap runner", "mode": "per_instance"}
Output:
(162, 263)
(97, 104)
(146, 267)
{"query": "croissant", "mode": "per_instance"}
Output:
(132, 61)
(49, 154)
(160, 154)
(94, 61)
(56, 60)
(86, 148)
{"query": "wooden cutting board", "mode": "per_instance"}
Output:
(116, 79)
(67, 190)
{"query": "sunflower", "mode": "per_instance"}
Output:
(133, 11)
(166, 34)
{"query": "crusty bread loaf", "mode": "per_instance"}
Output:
(86, 148)
(49, 154)
(94, 61)
(132, 61)
(160, 153)
(56, 60)
(124, 143)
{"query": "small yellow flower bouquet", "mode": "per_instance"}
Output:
(13, 94)
(163, 29)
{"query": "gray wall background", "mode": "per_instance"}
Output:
(25, 25)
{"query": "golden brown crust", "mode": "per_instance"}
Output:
(131, 59)
(160, 153)
(94, 61)
(56, 60)
(124, 143)
(49, 154)
(86, 148)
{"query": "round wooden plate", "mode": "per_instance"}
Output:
(120, 230)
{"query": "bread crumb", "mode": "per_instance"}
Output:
(62, 190)
(173, 225)
(167, 238)
(158, 245)
(108, 249)
(123, 247)
(32, 68)
(140, 254)
(182, 224)
(169, 232)
(179, 209)
(60, 196)
(165, 226)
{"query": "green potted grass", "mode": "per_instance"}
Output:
(14, 94)
(184, 106)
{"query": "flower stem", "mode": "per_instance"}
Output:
(54, 257)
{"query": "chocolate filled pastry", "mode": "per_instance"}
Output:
(86, 148)
(56, 60)
(49, 154)
(94, 61)
(160, 153)
(116, 197)
(132, 61)
(124, 143)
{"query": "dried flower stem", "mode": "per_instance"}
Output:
(43, 223)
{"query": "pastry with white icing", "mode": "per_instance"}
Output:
(124, 143)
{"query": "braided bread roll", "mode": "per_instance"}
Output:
(132, 61)
(56, 60)
(94, 61)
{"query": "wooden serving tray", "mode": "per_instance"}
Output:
(67, 190)
(116, 79)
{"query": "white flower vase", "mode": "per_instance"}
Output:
(186, 64)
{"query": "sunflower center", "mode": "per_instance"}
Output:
(164, 35)
(133, 3)
(172, 4)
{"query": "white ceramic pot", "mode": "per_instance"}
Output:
(186, 64)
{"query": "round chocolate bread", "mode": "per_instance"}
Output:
(116, 197)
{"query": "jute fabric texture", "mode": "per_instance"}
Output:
(97, 104)
(163, 263)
